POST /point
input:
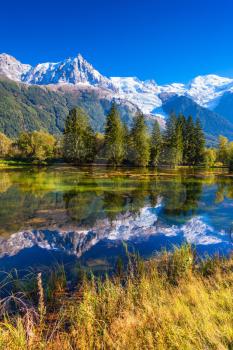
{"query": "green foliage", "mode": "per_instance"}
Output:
(173, 142)
(79, 138)
(184, 142)
(212, 123)
(223, 150)
(189, 142)
(199, 144)
(139, 153)
(114, 137)
(181, 144)
(99, 144)
(156, 144)
(5, 145)
(180, 263)
(37, 145)
(29, 108)
(210, 156)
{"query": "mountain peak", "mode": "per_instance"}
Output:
(147, 95)
(210, 79)
(80, 57)
(73, 70)
(7, 57)
(12, 68)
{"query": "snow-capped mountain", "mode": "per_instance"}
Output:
(70, 71)
(147, 95)
(206, 90)
(11, 68)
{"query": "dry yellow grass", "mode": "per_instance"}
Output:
(167, 303)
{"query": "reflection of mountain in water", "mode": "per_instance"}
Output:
(128, 227)
(71, 212)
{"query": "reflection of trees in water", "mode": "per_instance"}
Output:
(224, 190)
(5, 182)
(82, 199)
(181, 198)
(22, 210)
(83, 207)
(38, 182)
(115, 203)
(116, 197)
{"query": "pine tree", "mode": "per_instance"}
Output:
(155, 144)
(178, 139)
(189, 142)
(114, 137)
(139, 154)
(199, 144)
(173, 142)
(182, 124)
(79, 138)
(126, 140)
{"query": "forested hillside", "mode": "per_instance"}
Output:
(214, 124)
(24, 107)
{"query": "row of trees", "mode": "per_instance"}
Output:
(182, 143)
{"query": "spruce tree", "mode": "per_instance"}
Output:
(126, 140)
(79, 138)
(155, 145)
(189, 142)
(114, 137)
(173, 142)
(181, 121)
(139, 154)
(199, 143)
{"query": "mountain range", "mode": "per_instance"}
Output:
(35, 97)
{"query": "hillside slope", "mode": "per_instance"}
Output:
(213, 123)
(28, 107)
(225, 106)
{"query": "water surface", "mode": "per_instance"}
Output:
(70, 215)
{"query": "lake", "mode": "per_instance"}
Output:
(84, 216)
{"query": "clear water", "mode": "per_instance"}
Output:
(70, 215)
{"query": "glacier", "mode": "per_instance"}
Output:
(147, 95)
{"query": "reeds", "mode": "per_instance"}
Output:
(169, 302)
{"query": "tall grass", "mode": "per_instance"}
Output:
(170, 302)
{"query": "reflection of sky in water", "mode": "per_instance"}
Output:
(143, 228)
(91, 218)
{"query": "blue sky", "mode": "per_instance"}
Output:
(165, 40)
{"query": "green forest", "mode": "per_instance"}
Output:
(182, 143)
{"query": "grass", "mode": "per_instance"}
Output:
(10, 163)
(169, 302)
